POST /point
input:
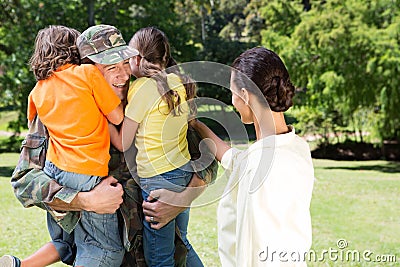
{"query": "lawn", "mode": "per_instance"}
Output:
(354, 203)
(6, 117)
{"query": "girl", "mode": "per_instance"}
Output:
(156, 117)
(264, 218)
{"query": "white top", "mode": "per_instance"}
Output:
(264, 217)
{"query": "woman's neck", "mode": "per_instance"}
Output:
(267, 123)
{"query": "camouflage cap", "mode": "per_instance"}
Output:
(104, 44)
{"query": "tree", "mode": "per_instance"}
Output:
(344, 55)
(218, 29)
(22, 19)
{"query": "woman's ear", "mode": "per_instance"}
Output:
(137, 60)
(244, 94)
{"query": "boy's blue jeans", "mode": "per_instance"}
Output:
(158, 245)
(97, 238)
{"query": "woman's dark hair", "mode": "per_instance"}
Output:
(154, 49)
(266, 70)
(54, 47)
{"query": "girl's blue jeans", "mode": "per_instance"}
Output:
(158, 245)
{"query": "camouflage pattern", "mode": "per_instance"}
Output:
(104, 44)
(203, 163)
(33, 187)
(131, 212)
(33, 148)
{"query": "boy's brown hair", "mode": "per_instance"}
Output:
(55, 46)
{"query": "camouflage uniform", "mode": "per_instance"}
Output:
(33, 187)
(102, 44)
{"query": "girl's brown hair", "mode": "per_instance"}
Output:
(54, 47)
(154, 49)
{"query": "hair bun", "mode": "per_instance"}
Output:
(279, 94)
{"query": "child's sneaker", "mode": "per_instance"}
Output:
(9, 261)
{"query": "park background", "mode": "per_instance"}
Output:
(343, 57)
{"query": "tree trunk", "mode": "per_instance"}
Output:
(306, 5)
(361, 135)
(90, 12)
(203, 26)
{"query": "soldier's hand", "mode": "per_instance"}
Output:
(106, 197)
(160, 209)
(163, 205)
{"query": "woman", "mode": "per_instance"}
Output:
(264, 217)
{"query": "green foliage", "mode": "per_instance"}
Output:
(20, 22)
(344, 55)
(22, 19)
(164, 15)
(224, 35)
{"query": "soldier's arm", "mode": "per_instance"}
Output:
(106, 197)
(35, 188)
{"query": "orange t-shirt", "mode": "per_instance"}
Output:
(72, 104)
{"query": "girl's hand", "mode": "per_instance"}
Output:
(193, 122)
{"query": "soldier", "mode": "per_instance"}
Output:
(34, 188)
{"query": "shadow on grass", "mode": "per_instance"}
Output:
(6, 172)
(391, 167)
(350, 150)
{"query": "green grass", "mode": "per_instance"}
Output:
(355, 201)
(6, 117)
(358, 202)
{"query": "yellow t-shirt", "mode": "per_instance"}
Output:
(161, 137)
(72, 103)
